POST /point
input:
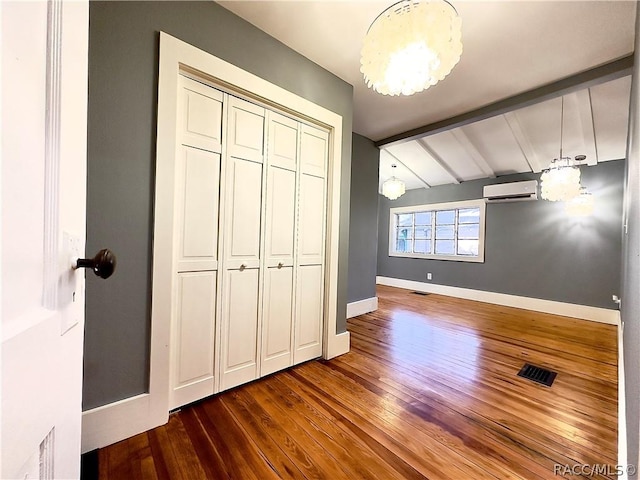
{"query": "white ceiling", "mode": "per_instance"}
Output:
(510, 47)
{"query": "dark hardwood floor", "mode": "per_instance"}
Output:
(429, 390)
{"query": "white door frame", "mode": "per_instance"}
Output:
(111, 423)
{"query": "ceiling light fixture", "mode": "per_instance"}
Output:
(393, 188)
(410, 46)
(582, 205)
(561, 181)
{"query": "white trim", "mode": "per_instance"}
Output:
(362, 306)
(622, 404)
(52, 155)
(340, 345)
(594, 314)
(119, 420)
(111, 423)
(479, 203)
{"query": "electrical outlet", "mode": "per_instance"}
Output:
(429, 276)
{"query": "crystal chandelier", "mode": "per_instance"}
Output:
(561, 181)
(582, 205)
(393, 188)
(410, 46)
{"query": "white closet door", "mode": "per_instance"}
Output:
(197, 170)
(200, 115)
(241, 315)
(280, 231)
(239, 328)
(309, 314)
(277, 320)
(193, 338)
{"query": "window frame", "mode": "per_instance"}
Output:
(433, 208)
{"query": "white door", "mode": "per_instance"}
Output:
(44, 102)
(197, 174)
(280, 233)
(241, 287)
(314, 146)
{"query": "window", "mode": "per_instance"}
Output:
(444, 231)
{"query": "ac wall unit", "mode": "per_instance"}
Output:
(511, 192)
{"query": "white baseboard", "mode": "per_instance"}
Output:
(340, 344)
(362, 306)
(116, 421)
(622, 406)
(595, 314)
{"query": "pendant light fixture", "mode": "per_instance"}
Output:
(410, 46)
(393, 188)
(561, 181)
(582, 205)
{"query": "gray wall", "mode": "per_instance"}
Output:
(123, 66)
(630, 308)
(532, 249)
(363, 223)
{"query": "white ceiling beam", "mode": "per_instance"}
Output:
(473, 152)
(604, 73)
(396, 159)
(585, 112)
(438, 160)
(523, 141)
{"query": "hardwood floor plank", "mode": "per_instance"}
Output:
(428, 390)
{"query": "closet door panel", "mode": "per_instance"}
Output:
(280, 220)
(283, 141)
(197, 177)
(240, 316)
(314, 149)
(308, 327)
(200, 116)
(244, 194)
(246, 130)
(277, 320)
(193, 338)
(311, 222)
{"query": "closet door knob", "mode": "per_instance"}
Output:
(243, 266)
(280, 265)
(103, 264)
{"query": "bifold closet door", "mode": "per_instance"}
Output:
(241, 287)
(308, 323)
(280, 232)
(197, 169)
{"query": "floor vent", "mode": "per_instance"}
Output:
(424, 294)
(537, 374)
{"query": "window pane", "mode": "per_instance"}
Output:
(469, 215)
(468, 247)
(405, 220)
(422, 246)
(423, 232)
(403, 232)
(445, 217)
(423, 218)
(469, 231)
(444, 247)
(445, 233)
(403, 245)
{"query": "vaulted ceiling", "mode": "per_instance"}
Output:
(510, 47)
